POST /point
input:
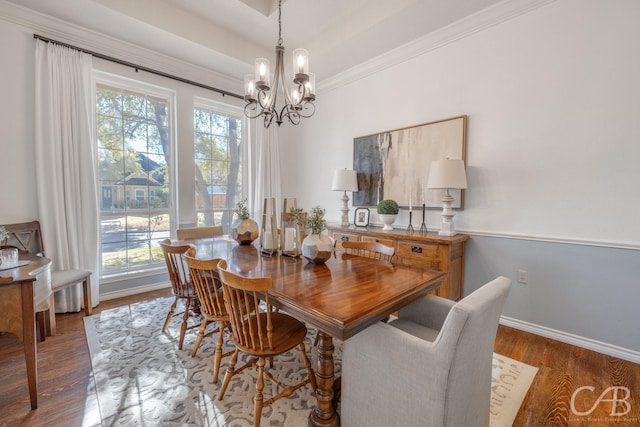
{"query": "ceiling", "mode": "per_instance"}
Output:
(228, 35)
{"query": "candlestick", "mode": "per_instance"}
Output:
(423, 227)
(410, 227)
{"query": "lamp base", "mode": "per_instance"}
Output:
(447, 228)
(345, 210)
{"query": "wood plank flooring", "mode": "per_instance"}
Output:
(65, 397)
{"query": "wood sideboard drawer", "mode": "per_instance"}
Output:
(426, 252)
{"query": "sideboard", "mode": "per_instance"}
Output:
(430, 251)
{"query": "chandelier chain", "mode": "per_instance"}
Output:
(280, 23)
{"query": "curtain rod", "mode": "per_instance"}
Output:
(138, 67)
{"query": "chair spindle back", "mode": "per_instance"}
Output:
(375, 250)
(205, 279)
(252, 328)
(176, 266)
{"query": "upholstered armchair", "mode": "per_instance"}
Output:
(430, 367)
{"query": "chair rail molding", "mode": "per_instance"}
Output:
(550, 239)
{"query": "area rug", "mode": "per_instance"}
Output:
(143, 379)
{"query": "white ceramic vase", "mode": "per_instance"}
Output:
(317, 248)
(387, 220)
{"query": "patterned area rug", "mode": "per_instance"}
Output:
(142, 379)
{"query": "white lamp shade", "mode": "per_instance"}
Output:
(447, 174)
(345, 180)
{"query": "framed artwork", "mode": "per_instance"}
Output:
(395, 164)
(361, 217)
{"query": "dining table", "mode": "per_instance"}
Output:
(24, 287)
(339, 297)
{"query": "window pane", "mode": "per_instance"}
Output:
(217, 162)
(135, 197)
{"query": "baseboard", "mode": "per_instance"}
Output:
(597, 346)
(133, 291)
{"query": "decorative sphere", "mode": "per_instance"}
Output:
(245, 231)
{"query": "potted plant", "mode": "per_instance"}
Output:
(301, 219)
(388, 211)
(317, 247)
(244, 230)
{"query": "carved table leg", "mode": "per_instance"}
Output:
(324, 415)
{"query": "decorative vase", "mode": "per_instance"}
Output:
(317, 248)
(245, 231)
(387, 220)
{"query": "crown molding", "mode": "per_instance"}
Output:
(85, 38)
(465, 27)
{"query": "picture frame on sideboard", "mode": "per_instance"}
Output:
(361, 217)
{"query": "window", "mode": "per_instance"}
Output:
(218, 166)
(133, 135)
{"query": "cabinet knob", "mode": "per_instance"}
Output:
(345, 238)
(416, 249)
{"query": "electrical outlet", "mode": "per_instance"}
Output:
(523, 276)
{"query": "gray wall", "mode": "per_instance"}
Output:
(580, 290)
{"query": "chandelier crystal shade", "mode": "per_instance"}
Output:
(261, 92)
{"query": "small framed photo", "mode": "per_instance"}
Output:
(361, 218)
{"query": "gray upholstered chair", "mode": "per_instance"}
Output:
(430, 367)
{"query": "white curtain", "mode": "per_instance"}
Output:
(266, 158)
(65, 166)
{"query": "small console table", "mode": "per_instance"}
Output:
(430, 251)
(19, 296)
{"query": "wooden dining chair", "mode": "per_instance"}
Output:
(181, 285)
(375, 250)
(27, 238)
(260, 334)
(204, 276)
(199, 232)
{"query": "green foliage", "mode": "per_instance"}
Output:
(3, 234)
(388, 207)
(241, 210)
(316, 221)
(300, 217)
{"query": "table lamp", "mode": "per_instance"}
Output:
(345, 180)
(447, 174)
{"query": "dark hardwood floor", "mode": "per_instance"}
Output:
(65, 397)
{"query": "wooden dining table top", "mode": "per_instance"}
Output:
(340, 297)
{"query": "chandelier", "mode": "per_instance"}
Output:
(261, 94)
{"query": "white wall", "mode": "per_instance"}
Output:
(17, 177)
(552, 97)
